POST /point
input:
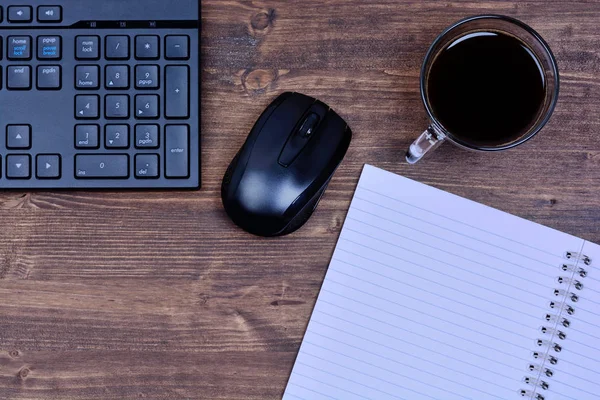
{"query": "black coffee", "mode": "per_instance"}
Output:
(486, 88)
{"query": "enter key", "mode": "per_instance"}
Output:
(177, 157)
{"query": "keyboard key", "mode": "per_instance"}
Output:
(48, 77)
(19, 14)
(18, 77)
(99, 166)
(116, 106)
(48, 166)
(116, 136)
(87, 77)
(177, 95)
(87, 107)
(117, 48)
(146, 106)
(19, 47)
(1, 21)
(49, 48)
(116, 77)
(146, 77)
(147, 47)
(177, 47)
(18, 166)
(146, 136)
(177, 154)
(49, 14)
(87, 47)
(146, 166)
(87, 136)
(18, 137)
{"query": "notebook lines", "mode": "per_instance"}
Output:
(593, 279)
(441, 273)
(412, 366)
(540, 316)
(584, 356)
(404, 376)
(438, 249)
(434, 282)
(592, 301)
(396, 362)
(440, 319)
(343, 366)
(524, 360)
(362, 187)
(426, 291)
(310, 390)
(451, 242)
(389, 347)
(452, 231)
(571, 328)
(352, 381)
(374, 377)
(298, 397)
(411, 320)
(330, 385)
(573, 375)
(579, 308)
(438, 295)
(576, 388)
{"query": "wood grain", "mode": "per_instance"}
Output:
(157, 295)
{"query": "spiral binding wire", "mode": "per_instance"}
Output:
(554, 332)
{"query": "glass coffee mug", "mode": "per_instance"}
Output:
(488, 83)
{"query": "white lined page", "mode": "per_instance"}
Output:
(432, 296)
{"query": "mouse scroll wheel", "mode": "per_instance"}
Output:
(309, 125)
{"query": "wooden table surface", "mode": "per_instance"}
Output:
(157, 295)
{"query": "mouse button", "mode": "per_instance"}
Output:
(280, 126)
(309, 126)
(322, 154)
(330, 134)
(299, 139)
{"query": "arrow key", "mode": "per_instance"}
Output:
(117, 77)
(146, 106)
(48, 166)
(18, 137)
(116, 136)
(18, 166)
(87, 107)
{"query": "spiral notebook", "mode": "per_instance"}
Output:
(432, 296)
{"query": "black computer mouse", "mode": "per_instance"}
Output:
(275, 182)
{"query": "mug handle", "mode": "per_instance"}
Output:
(429, 140)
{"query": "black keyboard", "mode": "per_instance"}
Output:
(99, 94)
